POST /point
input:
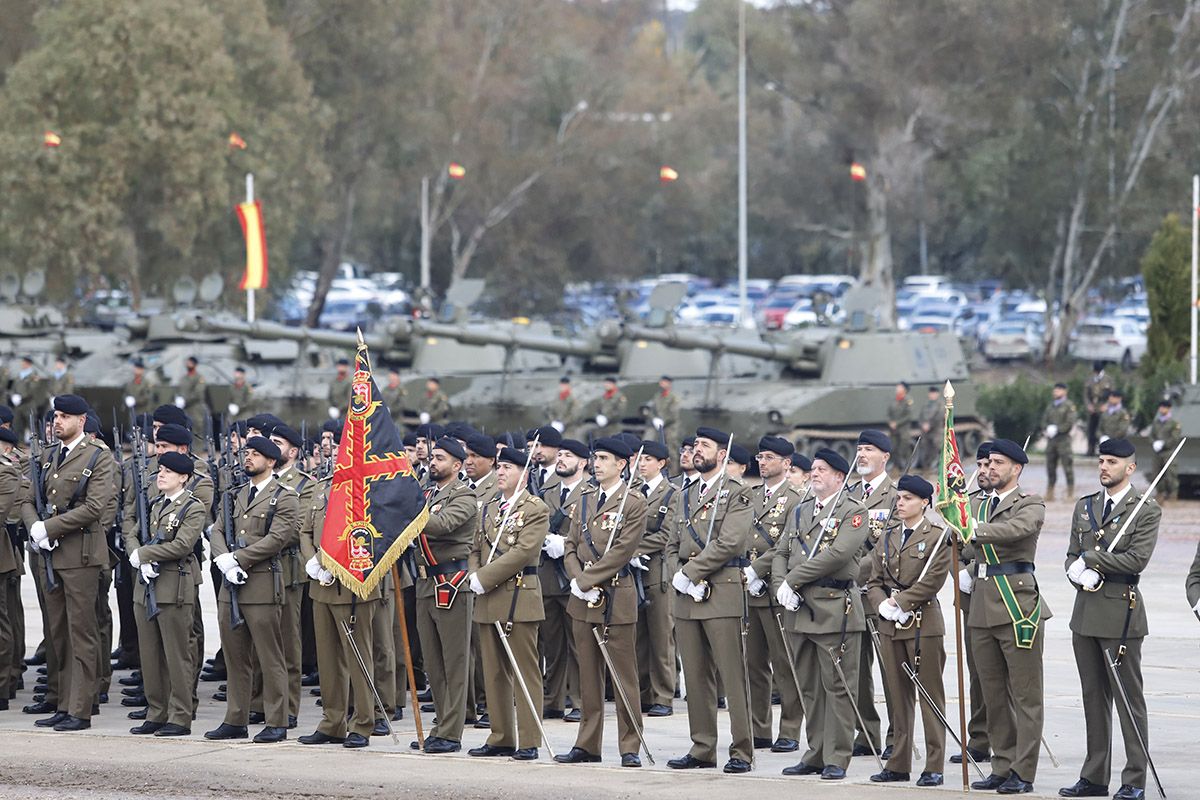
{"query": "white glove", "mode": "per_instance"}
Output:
(1157, 446)
(966, 581)
(756, 587)
(888, 609)
(601, 420)
(476, 586)
(640, 562)
(129, 401)
(786, 596)
(179, 401)
(334, 412)
(1196, 608)
(47, 545)
(590, 596)
(1104, 439)
(149, 572)
(557, 425)
(554, 545)
(424, 417)
(1051, 431)
(225, 562)
(658, 422)
(37, 532)
(135, 560)
(751, 575)
(313, 568)
(324, 577)
(237, 576)
(902, 617)
(1076, 569)
(696, 591)
(1089, 579)
(16, 399)
(234, 408)
(681, 582)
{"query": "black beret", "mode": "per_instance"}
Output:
(1060, 385)
(27, 359)
(264, 446)
(343, 362)
(193, 359)
(632, 439)
(565, 379)
(71, 404)
(288, 434)
(177, 462)
(833, 459)
(6, 415)
(802, 461)
(933, 389)
(332, 426)
(173, 434)
(718, 436)
(612, 444)
(904, 384)
(574, 446)
(1164, 403)
(452, 447)
(666, 378)
(514, 456)
(91, 423)
(688, 441)
(167, 414)
(656, 450)
(983, 451)
(877, 439)
(430, 431)
(239, 368)
(547, 435)
(239, 427)
(1121, 448)
(777, 445)
(1115, 393)
(1010, 450)
(137, 362)
(739, 455)
(482, 445)
(7, 435)
(410, 440)
(914, 484)
(459, 430)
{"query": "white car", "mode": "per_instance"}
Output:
(1118, 340)
(1009, 340)
(803, 315)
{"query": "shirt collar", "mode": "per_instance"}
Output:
(69, 446)
(652, 483)
(172, 498)
(1119, 496)
(570, 487)
(770, 490)
(874, 483)
(1001, 496)
(260, 485)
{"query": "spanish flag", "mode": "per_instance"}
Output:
(250, 215)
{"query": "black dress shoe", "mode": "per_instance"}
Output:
(102, 698)
(354, 740)
(1014, 785)
(35, 660)
(95, 709)
(832, 773)
(484, 722)
(133, 690)
(135, 701)
(577, 755)
(4, 704)
(73, 724)
(989, 784)
(138, 714)
(887, 753)
(980, 757)
(311, 679)
(862, 750)
(574, 715)
(146, 727)
(783, 745)
(425, 696)
(1084, 788)
(315, 692)
(292, 723)
(171, 729)
(802, 769)
(270, 735)
(490, 751)
(398, 715)
(223, 687)
(439, 745)
(659, 710)
(736, 766)
(889, 776)
(689, 761)
(256, 718)
(39, 708)
(227, 731)
(214, 676)
(761, 743)
(381, 727)
(42, 671)
(552, 713)
(930, 779)
(41, 680)
(1127, 792)
(316, 737)
(721, 702)
(526, 754)
(428, 708)
(51, 721)
(630, 760)
(39, 697)
(220, 697)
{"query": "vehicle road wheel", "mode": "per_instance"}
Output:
(1127, 361)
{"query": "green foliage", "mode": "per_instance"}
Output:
(1015, 409)
(1166, 268)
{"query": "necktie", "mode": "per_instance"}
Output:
(62, 454)
(817, 506)
(866, 490)
(603, 497)
(645, 490)
(904, 539)
(562, 496)
(253, 492)
(992, 506)
(1108, 507)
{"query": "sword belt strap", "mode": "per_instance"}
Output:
(512, 609)
(1128, 619)
(447, 568)
(663, 509)
(1009, 568)
(687, 515)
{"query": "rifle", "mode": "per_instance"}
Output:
(142, 509)
(231, 543)
(116, 543)
(39, 498)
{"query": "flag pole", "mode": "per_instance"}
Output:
(948, 393)
(249, 292)
(402, 618)
(1195, 264)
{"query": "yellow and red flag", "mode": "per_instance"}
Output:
(952, 501)
(858, 172)
(51, 139)
(250, 216)
(236, 141)
(376, 505)
(667, 174)
(456, 171)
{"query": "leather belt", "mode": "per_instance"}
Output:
(737, 563)
(830, 583)
(1009, 568)
(445, 568)
(1122, 577)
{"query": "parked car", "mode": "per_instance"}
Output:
(773, 309)
(1010, 340)
(1119, 340)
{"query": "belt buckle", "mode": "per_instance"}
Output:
(981, 571)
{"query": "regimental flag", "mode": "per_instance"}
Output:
(250, 216)
(952, 500)
(376, 505)
(51, 139)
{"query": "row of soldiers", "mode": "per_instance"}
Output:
(594, 555)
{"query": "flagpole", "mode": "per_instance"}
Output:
(402, 617)
(948, 393)
(249, 292)
(1195, 262)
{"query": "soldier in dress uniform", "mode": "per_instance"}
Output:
(267, 517)
(64, 517)
(665, 408)
(1095, 395)
(427, 434)
(900, 419)
(554, 634)
(1058, 420)
(907, 570)
(1165, 434)
(444, 604)
(706, 546)
(504, 577)
(656, 619)
(1006, 622)
(687, 462)
(13, 488)
(605, 528)
(435, 407)
(611, 409)
(767, 654)
(563, 410)
(168, 572)
(542, 477)
(1109, 619)
(813, 573)
(799, 471)
(877, 492)
(241, 394)
(338, 393)
(481, 480)
(1115, 421)
(191, 393)
(140, 391)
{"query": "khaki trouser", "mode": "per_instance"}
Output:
(1011, 679)
(292, 649)
(384, 655)
(828, 701)
(16, 612)
(865, 695)
(977, 735)
(1099, 688)
(104, 643)
(342, 679)
(74, 635)
(168, 666)
(657, 673)
(259, 636)
(557, 647)
(1058, 451)
(622, 650)
(447, 654)
(712, 648)
(8, 620)
(905, 697)
(767, 661)
(503, 692)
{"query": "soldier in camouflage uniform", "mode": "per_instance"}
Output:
(612, 408)
(900, 420)
(1115, 421)
(436, 405)
(1058, 420)
(563, 410)
(190, 394)
(240, 393)
(140, 389)
(394, 395)
(1165, 433)
(60, 381)
(932, 416)
(1095, 394)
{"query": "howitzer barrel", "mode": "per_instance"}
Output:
(791, 353)
(506, 337)
(273, 330)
